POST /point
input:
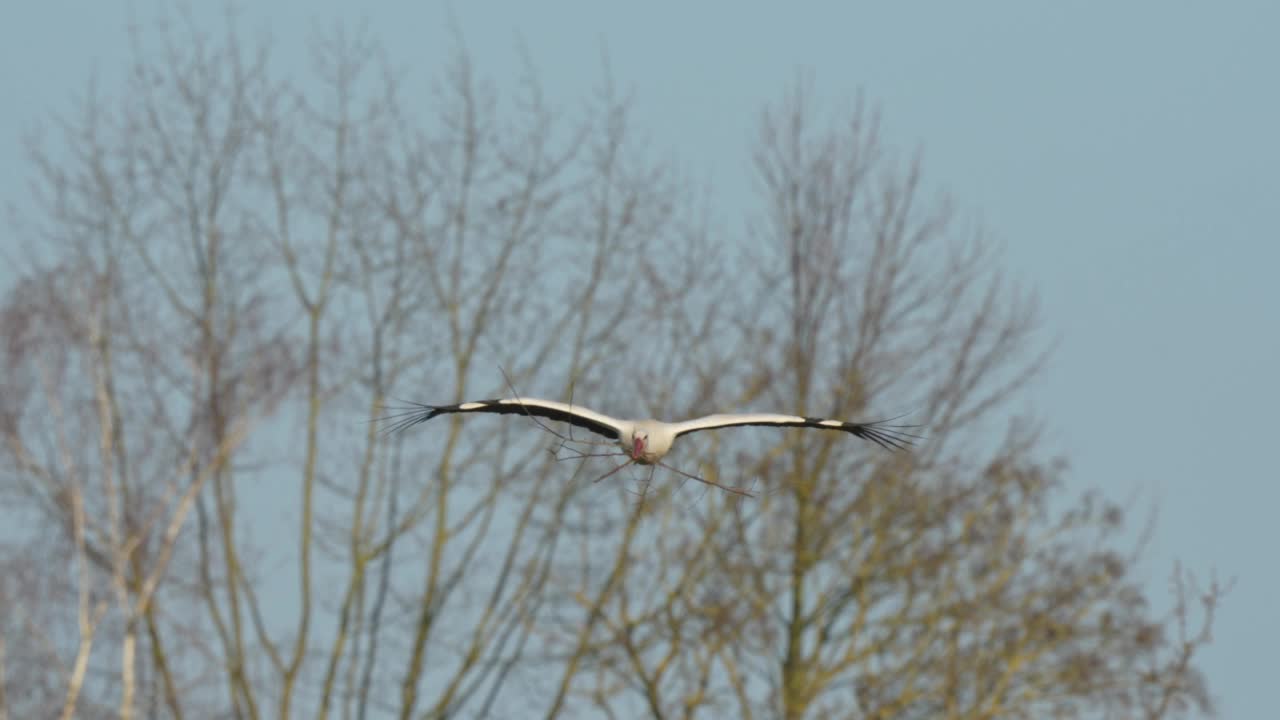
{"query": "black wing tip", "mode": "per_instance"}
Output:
(881, 432)
(893, 438)
(411, 413)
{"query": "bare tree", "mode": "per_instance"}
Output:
(148, 340)
(223, 241)
(231, 273)
(952, 581)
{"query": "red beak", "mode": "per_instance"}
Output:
(637, 447)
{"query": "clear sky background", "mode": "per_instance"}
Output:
(1125, 154)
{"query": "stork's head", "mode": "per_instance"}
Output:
(639, 443)
(648, 441)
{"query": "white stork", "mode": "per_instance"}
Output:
(647, 441)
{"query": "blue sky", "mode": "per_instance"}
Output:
(1125, 154)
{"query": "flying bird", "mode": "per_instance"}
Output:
(647, 441)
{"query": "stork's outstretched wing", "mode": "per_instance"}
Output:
(414, 413)
(889, 437)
